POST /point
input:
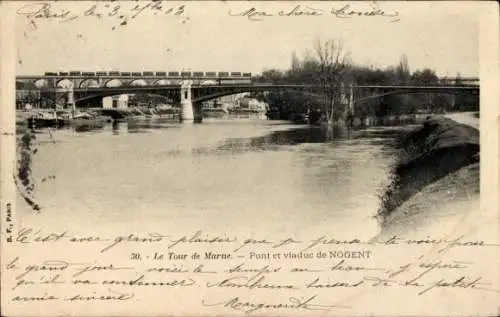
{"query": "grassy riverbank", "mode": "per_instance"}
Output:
(437, 164)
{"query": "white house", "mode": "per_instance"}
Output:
(252, 104)
(120, 102)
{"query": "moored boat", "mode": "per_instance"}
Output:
(88, 118)
(46, 119)
(61, 118)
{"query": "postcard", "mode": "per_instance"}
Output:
(249, 158)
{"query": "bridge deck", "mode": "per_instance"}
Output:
(381, 87)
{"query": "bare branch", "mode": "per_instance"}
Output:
(333, 66)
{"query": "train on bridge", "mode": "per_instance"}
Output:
(151, 74)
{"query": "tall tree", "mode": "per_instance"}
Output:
(403, 70)
(333, 66)
(295, 64)
(458, 101)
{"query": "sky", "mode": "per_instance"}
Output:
(219, 36)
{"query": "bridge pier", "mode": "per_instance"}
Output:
(187, 113)
(198, 112)
(71, 100)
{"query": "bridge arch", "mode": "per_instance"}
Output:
(89, 83)
(65, 83)
(111, 83)
(209, 82)
(162, 82)
(167, 94)
(165, 97)
(41, 83)
(239, 90)
(455, 92)
(137, 82)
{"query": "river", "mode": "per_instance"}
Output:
(241, 175)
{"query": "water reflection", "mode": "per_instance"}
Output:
(281, 139)
(244, 173)
(80, 128)
(143, 126)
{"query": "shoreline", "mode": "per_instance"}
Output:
(435, 177)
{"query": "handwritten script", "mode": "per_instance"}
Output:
(123, 13)
(343, 12)
(219, 273)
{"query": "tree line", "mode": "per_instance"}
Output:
(330, 68)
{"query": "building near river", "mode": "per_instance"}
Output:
(119, 102)
(252, 104)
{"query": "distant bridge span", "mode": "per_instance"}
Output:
(205, 93)
(201, 93)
